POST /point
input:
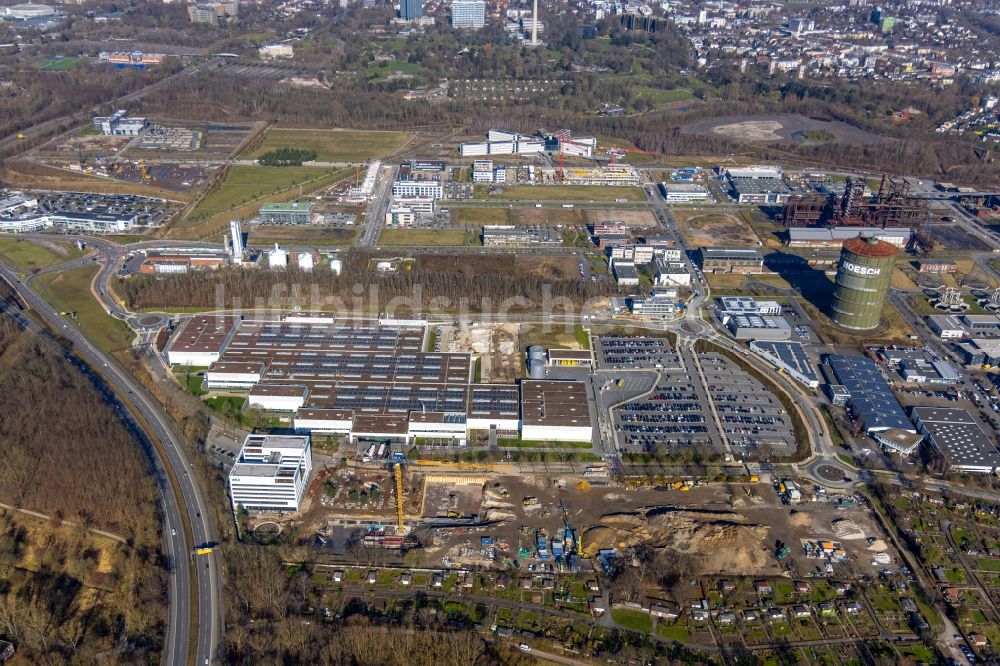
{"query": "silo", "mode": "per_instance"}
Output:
(536, 369)
(862, 282)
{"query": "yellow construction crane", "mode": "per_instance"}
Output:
(399, 498)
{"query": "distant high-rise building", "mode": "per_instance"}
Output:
(202, 14)
(468, 13)
(411, 9)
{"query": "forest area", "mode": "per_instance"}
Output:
(431, 286)
(67, 594)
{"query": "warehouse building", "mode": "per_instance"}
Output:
(200, 340)
(937, 266)
(758, 327)
(790, 357)
(271, 473)
(924, 371)
(834, 237)
(683, 193)
(980, 352)
(731, 260)
(671, 274)
(733, 305)
(222, 376)
(555, 411)
(981, 324)
(625, 272)
(286, 213)
(956, 435)
(360, 379)
(946, 327)
(871, 399)
(898, 441)
(758, 185)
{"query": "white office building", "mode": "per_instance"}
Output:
(271, 472)
(412, 189)
(468, 13)
(119, 124)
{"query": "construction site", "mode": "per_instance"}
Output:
(612, 175)
(494, 345)
(534, 519)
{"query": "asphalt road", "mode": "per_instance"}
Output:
(178, 546)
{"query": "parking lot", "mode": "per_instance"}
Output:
(677, 412)
(635, 353)
(673, 415)
(149, 212)
(750, 415)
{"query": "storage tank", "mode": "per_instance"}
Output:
(862, 282)
(536, 353)
(536, 369)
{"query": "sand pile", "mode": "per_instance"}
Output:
(847, 530)
(495, 505)
(724, 540)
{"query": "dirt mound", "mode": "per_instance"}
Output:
(799, 519)
(724, 540)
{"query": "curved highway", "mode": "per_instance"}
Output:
(186, 518)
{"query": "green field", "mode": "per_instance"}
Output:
(477, 217)
(70, 291)
(385, 69)
(426, 237)
(659, 96)
(334, 145)
(28, 255)
(673, 632)
(57, 65)
(243, 184)
(634, 620)
(582, 193)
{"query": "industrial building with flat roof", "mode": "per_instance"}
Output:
(757, 327)
(871, 399)
(731, 260)
(200, 340)
(835, 236)
(894, 440)
(555, 411)
(683, 193)
(286, 213)
(946, 327)
(960, 440)
(980, 351)
(271, 473)
(790, 357)
(362, 379)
